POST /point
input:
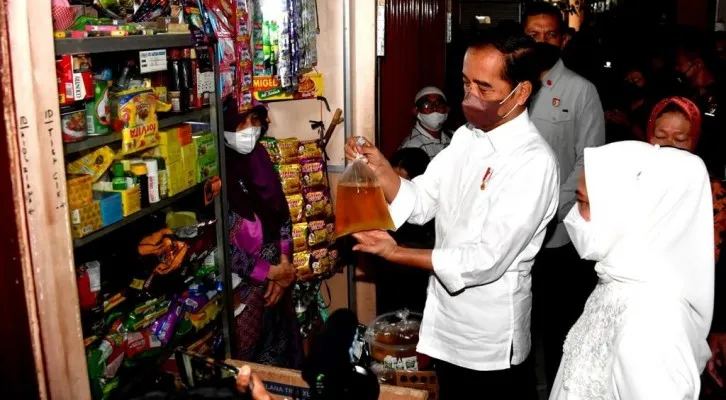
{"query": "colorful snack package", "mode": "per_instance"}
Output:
(310, 149)
(301, 261)
(141, 342)
(270, 144)
(105, 360)
(317, 233)
(299, 236)
(317, 204)
(164, 327)
(290, 178)
(313, 173)
(319, 261)
(330, 227)
(296, 204)
(288, 149)
(334, 257)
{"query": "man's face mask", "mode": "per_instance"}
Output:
(484, 114)
(243, 141)
(433, 121)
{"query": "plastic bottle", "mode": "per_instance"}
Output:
(119, 177)
(163, 178)
(139, 170)
(152, 176)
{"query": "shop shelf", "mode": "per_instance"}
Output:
(164, 122)
(196, 189)
(109, 44)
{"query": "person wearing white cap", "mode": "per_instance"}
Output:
(431, 110)
(644, 214)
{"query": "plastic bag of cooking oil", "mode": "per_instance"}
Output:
(360, 204)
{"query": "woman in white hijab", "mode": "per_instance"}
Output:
(645, 215)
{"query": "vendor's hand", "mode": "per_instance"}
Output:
(717, 342)
(273, 294)
(370, 153)
(376, 242)
(247, 381)
(284, 273)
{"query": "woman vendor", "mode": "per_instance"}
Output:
(260, 244)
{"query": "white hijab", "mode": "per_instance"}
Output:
(653, 213)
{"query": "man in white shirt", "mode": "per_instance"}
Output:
(431, 110)
(568, 114)
(492, 193)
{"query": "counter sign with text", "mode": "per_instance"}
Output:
(152, 61)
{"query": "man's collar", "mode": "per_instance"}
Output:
(550, 79)
(506, 137)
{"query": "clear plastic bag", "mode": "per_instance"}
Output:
(360, 204)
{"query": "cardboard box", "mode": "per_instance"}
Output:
(177, 181)
(86, 220)
(112, 210)
(289, 384)
(206, 145)
(79, 190)
(206, 169)
(189, 164)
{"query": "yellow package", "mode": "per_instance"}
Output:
(300, 236)
(132, 108)
(86, 220)
(288, 150)
(296, 204)
(189, 165)
(290, 178)
(301, 261)
(177, 180)
(80, 192)
(94, 164)
(139, 137)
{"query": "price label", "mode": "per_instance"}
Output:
(152, 61)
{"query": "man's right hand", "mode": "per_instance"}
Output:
(284, 273)
(373, 157)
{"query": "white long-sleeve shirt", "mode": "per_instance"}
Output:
(568, 114)
(479, 299)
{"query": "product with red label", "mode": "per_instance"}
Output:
(75, 79)
(140, 343)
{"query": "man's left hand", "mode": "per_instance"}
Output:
(376, 242)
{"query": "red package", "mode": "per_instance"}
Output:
(89, 284)
(75, 78)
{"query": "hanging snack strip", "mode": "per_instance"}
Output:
(221, 16)
(244, 52)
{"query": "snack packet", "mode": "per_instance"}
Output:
(317, 204)
(290, 178)
(288, 149)
(296, 204)
(310, 149)
(301, 261)
(317, 233)
(313, 173)
(319, 261)
(299, 236)
(270, 144)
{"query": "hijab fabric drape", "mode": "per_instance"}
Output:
(653, 210)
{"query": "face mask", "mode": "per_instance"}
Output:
(243, 141)
(433, 121)
(483, 114)
(582, 236)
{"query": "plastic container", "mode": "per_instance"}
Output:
(393, 338)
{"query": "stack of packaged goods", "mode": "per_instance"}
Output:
(170, 298)
(302, 169)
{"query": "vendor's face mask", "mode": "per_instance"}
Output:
(243, 141)
(484, 114)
